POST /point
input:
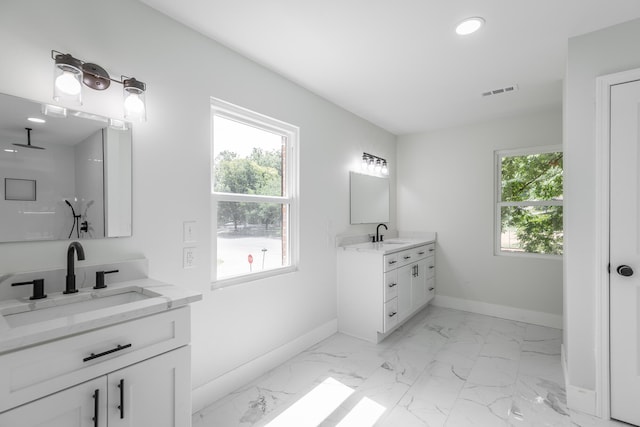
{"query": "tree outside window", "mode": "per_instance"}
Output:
(529, 201)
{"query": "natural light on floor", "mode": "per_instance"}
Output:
(314, 407)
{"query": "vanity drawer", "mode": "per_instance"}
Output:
(390, 285)
(391, 262)
(37, 371)
(422, 252)
(431, 288)
(390, 314)
(431, 267)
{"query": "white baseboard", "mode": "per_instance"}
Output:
(578, 398)
(581, 399)
(502, 311)
(236, 378)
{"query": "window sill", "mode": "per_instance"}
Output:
(246, 278)
(529, 255)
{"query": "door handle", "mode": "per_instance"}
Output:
(624, 270)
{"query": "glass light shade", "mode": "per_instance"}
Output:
(67, 80)
(135, 108)
(385, 169)
(365, 162)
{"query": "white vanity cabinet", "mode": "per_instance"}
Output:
(382, 285)
(134, 373)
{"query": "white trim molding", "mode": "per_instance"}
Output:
(236, 378)
(502, 311)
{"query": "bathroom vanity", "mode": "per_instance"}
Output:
(381, 285)
(117, 356)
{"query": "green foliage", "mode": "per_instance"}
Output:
(536, 177)
(261, 174)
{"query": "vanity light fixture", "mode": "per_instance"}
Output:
(70, 74)
(374, 164)
(469, 26)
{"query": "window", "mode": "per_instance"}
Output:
(253, 193)
(529, 201)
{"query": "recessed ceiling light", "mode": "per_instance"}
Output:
(469, 25)
(36, 120)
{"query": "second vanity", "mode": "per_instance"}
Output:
(118, 356)
(381, 285)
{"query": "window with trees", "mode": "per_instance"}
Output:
(254, 184)
(529, 201)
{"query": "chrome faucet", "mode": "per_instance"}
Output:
(74, 247)
(379, 236)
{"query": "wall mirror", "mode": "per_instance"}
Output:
(64, 174)
(369, 198)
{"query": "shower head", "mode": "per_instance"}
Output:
(28, 144)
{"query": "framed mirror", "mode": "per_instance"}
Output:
(369, 196)
(64, 174)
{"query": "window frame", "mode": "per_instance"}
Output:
(243, 115)
(498, 155)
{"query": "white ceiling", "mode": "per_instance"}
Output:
(399, 63)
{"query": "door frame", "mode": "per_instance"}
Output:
(602, 170)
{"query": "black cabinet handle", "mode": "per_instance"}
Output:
(421, 253)
(392, 262)
(430, 289)
(393, 313)
(432, 266)
(391, 285)
(104, 353)
(407, 257)
(96, 406)
(431, 249)
(121, 406)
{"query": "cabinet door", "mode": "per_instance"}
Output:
(74, 407)
(155, 392)
(404, 291)
(419, 284)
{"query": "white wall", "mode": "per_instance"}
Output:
(603, 52)
(171, 172)
(446, 184)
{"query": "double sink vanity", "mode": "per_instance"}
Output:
(382, 284)
(118, 355)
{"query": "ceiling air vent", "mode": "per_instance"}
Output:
(501, 90)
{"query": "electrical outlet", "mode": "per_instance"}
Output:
(189, 231)
(188, 257)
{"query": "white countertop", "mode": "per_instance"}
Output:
(161, 297)
(389, 246)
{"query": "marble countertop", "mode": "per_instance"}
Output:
(391, 245)
(159, 297)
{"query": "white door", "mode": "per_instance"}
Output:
(155, 392)
(625, 252)
(80, 406)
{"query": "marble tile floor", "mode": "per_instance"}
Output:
(442, 368)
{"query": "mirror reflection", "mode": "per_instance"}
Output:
(369, 199)
(63, 174)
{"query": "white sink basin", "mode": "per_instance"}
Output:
(69, 305)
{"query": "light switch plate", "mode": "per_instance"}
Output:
(188, 257)
(189, 231)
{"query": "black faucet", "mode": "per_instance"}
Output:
(71, 274)
(378, 235)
